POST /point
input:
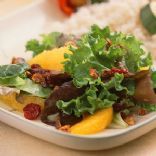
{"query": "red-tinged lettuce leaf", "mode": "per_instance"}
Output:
(65, 92)
(144, 91)
(153, 77)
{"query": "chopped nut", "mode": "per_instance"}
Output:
(93, 73)
(45, 77)
(130, 120)
(38, 78)
(65, 128)
(18, 60)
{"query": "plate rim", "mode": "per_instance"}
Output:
(92, 137)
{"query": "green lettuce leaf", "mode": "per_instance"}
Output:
(35, 89)
(47, 42)
(102, 49)
(12, 74)
(118, 122)
(12, 70)
(148, 106)
(12, 82)
(97, 96)
(89, 102)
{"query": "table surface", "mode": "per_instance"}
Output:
(16, 143)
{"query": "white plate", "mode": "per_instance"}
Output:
(15, 30)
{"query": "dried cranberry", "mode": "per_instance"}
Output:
(142, 111)
(120, 71)
(32, 111)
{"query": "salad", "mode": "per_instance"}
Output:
(82, 84)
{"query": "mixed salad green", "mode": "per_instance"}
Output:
(102, 50)
(14, 75)
(104, 69)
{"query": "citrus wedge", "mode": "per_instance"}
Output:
(51, 59)
(18, 103)
(93, 123)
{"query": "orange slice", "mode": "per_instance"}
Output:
(51, 59)
(93, 123)
(19, 102)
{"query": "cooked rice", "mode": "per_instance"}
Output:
(120, 15)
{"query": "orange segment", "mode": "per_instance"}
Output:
(10, 100)
(18, 103)
(93, 123)
(51, 59)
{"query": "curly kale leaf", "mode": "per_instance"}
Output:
(102, 49)
(97, 96)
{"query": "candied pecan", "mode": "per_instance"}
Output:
(47, 78)
(38, 78)
(18, 60)
(93, 73)
(28, 74)
(65, 128)
(130, 120)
